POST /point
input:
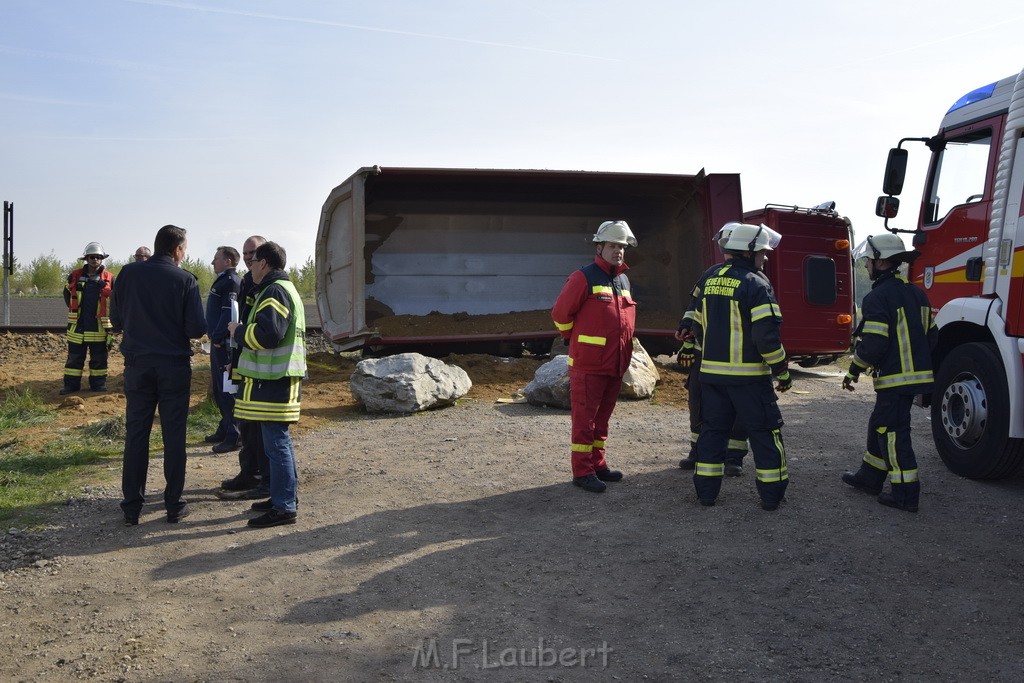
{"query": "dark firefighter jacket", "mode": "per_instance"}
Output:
(739, 322)
(897, 336)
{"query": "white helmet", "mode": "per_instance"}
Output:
(94, 249)
(885, 246)
(746, 237)
(722, 236)
(615, 231)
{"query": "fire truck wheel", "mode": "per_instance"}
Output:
(969, 423)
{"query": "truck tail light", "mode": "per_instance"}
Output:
(842, 245)
(844, 319)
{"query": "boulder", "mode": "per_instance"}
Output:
(642, 375)
(550, 384)
(407, 383)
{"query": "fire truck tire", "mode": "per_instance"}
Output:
(969, 420)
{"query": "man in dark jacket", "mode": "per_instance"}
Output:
(739, 321)
(157, 306)
(897, 337)
(272, 363)
(252, 480)
(223, 295)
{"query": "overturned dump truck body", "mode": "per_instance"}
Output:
(439, 260)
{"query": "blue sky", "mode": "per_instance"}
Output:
(231, 118)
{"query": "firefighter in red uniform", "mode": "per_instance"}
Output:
(739, 321)
(596, 315)
(87, 295)
(897, 337)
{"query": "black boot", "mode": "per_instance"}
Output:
(608, 475)
(902, 497)
(857, 480)
(589, 483)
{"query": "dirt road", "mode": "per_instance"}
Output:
(450, 545)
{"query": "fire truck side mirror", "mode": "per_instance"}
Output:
(895, 171)
(887, 207)
(920, 239)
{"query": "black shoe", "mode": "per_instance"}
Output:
(733, 470)
(887, 500)
(178, 515)
(770, 507)
(273, 517)
(255, 493)
(214, 438)
(856, 482)
(608, 475)
(226, 447)
(589, 483)
(240, 483)
(262, 506)
(97, 389)
(707, 502)
(131, 519)
(68, 390)
(688, 463)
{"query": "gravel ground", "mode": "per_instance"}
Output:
(449, 545)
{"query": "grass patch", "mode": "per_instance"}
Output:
(21, 408)
(30, 482)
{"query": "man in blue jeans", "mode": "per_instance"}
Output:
(271, 365)
(157, 306)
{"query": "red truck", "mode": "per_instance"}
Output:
(482, 253)
(970, 232)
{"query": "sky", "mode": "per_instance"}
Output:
(231, 117)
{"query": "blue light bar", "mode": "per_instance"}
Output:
(982, 93)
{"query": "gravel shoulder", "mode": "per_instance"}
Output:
(449, 545)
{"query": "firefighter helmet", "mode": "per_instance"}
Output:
(886, 246)
(722, 236)
(746, 237)
(94, 249)
(615, 231)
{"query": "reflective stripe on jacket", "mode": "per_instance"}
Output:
(273, 357)
(596, 312)
(897, 337)
(740, 323)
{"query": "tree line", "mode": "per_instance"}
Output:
(46, 275)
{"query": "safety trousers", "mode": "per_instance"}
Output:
(97, 352)
(755, 407)
(889, 451)
(592, 400)
(737, 436)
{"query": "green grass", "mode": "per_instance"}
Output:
(31, 483)
(22, 408)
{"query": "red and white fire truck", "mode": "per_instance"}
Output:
(970, 233)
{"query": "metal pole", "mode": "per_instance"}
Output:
(8, 264)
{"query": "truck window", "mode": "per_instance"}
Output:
(959, 175)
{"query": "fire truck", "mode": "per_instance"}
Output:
(970, 233)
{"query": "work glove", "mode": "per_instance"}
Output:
(850, 380)
(686, 355)
(110, 341)
(784, 382)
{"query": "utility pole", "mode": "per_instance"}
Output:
(8, 264)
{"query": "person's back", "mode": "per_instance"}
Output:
(148, 309)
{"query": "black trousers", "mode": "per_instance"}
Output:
(756, 407)
(889, 450)
(97, 352)
(252, 459)
(147, 389)
(737, 436)
(225, 402)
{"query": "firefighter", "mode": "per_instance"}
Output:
(896, 338)
(739, 321)
(87, 296)
(689, 357)
(596, 315)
